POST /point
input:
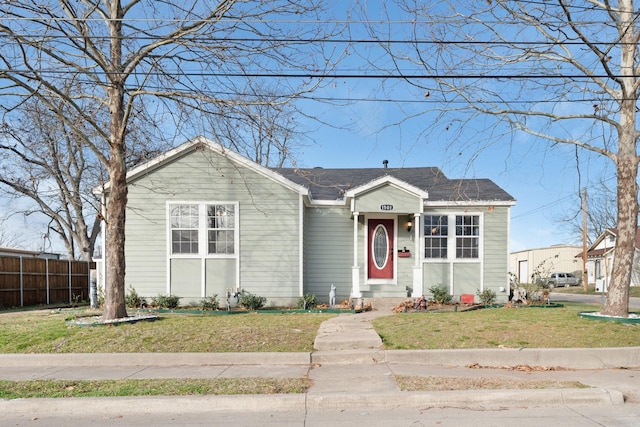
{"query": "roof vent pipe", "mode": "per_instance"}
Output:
(385, 163)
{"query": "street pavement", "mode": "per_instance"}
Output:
(559, 296)
(350, 373)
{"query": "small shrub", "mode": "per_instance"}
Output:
(251, 302)
(165, 301)
(307, 302)
(75, 300)
(440, 294)
(210, 303)
(132, 299)
(487, 296)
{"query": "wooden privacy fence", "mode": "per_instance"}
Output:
(33, 281)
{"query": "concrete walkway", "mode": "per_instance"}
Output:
(349, 369)
(349, 332)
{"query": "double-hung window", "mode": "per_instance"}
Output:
(436, 231)
(221, 224)
(184, 228)
(467, 236)
(203, 229)
(444, 242)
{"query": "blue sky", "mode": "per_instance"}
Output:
(544, 179)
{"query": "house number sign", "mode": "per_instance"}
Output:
(386, 207)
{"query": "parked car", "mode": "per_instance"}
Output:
(562, 279)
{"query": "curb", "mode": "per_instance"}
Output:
(570, 358)
(298, 402)
(573, 358)
(470, 399)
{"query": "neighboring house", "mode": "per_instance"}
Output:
(203, 220)
(600, 259)
(552, 259)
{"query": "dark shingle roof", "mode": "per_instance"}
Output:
(331, 184)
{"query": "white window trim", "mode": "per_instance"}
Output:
(202, 230)
(451, 238)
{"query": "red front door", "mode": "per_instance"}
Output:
(380, 252)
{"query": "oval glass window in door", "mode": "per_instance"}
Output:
(380, 246)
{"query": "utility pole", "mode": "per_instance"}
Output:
(584, 239)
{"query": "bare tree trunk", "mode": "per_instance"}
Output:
(617, 302)
(114, 306)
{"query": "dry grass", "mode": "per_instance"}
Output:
(151, 387)
(414, 383)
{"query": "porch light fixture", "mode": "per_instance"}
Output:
(409, 224)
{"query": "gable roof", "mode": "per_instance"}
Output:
(593, 251)
(333, 184)
(200, 143)
(384, 181)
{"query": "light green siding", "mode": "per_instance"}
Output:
(496, 257)
(489, 271)
(185, 279)
(466, 278)
(387, 195)
(220, 276)
(435, 274)
(269, 225)
(328, 251)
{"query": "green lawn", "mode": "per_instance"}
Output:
(46, 331)
(505, 327)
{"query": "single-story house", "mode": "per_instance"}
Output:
(203, 220)
(600, 259)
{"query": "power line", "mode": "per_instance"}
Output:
(324, 75)
(323, 40)
(542, 207)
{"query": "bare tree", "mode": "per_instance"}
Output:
(43, 159)
(8, 238)
(565, 72)
(601, 212)
(180, 59)
(269, 134)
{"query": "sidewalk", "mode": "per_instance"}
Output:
(349, 370)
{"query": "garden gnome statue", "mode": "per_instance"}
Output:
(332, 295)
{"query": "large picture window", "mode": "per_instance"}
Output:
(436, 232)
(211, 223)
